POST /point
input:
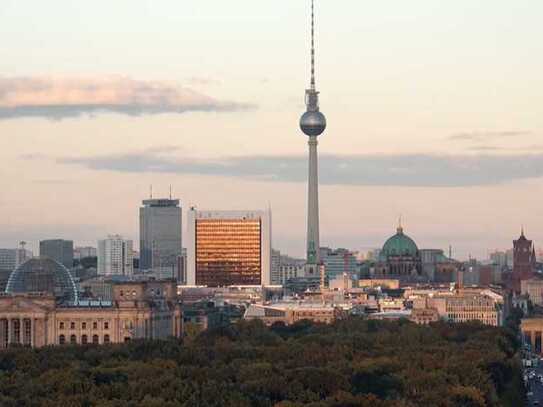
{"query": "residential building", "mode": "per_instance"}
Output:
(59, 250)
(115, 256)
(160, 235)
(228, 248)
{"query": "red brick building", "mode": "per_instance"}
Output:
(524, 260)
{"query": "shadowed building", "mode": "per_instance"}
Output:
(59, 250)
(524, 261)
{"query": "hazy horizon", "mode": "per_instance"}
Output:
(433, 114)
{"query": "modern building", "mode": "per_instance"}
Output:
(59, 250)
(227, 248)
(276, 267)
(115, 256)
(42, 307)
(524, 261)
(313, 124)
(338, 262)
(160, 235)
(10, 259)
(84, 252)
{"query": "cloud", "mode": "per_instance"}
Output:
(487, 135)
(417, 170)
(58, 98)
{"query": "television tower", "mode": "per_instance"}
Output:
(313, 124)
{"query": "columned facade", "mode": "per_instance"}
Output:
(532, 333)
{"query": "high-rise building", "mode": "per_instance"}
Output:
(227, 248)
(160, 235)
(115, 257)
(83, 252)
(10, 259)
(276, 267)
(59, 250)
(523, 261)
(313, 124)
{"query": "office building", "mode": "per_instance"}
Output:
(10, 259)
(227, 248)
(160, 235)
(338, 262)
(84, 252)
(115, 256)
(276, 267)
(59, 250)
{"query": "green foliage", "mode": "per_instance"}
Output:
(353, 362)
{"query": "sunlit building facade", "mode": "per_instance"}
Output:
(228, 248)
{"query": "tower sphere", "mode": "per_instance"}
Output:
(313, 123)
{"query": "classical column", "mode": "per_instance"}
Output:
(3, 333)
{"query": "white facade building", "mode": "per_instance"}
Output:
(115, 256)
(226, 248)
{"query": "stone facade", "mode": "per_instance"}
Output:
(139, 310)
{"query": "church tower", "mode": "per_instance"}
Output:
(523, 261)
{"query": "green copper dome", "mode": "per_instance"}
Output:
(399, 245)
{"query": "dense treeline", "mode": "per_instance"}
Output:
(354, 362)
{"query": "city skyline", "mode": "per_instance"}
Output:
(443, 129)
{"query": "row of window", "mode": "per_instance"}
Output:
(83, 325)
(84, 339)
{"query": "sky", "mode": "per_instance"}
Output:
(433, 113)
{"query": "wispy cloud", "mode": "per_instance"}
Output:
(487, 135)
(58, 98)
(421, 170)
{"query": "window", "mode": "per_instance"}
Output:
(72, 325)
(61, 340)
(83, 325)
(106, 338)
(106, 325)
(95, 325)
(73, 339)
(61, 325)
(84, 339)
(95, 339)
(127, 339)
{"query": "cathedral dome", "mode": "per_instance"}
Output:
(43, 275)
(399, 245)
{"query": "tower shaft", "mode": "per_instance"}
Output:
(313, 241)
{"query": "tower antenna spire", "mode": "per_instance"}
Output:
(312, 44)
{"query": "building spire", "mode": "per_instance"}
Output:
(522, 230)
(400, 228)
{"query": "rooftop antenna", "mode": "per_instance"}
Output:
(151, 191)
(170, 192)
(312, 44)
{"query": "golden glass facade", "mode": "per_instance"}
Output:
(228, 252)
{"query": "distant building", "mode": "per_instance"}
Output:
(338, 262)
(533, 287)
(399, 258)
(115, 256)
(502, 258)
(84, 252)
(290, 313)
(382, 283)
(524, 261)
(276, 267)
(10, 259)
(160, 235)
(228, 248)
(59, 250)
(424, 316)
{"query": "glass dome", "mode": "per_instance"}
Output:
(43, 275)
